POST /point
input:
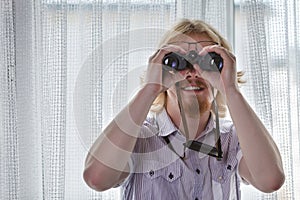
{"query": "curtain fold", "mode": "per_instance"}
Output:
(271, 36)
(28, 61)
(10, 158)
(53, 97)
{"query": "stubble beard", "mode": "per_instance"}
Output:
(196, 106)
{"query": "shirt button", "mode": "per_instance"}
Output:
(229, 167)
(171, 176)
(198, 171)
(220, 177)
(151, 173)
(196, 199)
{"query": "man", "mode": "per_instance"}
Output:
(160, 154)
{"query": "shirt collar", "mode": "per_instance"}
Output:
(165, 124)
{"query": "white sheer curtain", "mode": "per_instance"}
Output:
(67, 67)
(270, 35)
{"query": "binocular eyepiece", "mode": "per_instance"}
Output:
(209, 62)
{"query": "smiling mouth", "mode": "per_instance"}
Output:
(193, 88)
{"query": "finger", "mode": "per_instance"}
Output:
(158, 56)
(174, 48)
(153, 56)
(223, 52)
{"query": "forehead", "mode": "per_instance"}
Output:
(186, 41)
(194, 37)
(197, 37)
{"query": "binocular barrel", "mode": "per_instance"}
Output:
(209, 62)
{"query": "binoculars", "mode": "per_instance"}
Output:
(209, 62)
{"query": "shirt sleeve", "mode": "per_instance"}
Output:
(239, 157)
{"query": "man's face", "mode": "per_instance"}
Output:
(196, 92)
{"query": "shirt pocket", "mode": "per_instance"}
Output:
(169, 173)
(221, 171)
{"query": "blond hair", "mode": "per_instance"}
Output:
(187, 27)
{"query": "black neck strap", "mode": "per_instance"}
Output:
(215, 151)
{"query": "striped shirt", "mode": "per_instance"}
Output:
(158, 173)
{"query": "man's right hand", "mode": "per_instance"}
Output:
(160, 77)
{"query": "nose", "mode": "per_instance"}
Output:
(192, 72)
